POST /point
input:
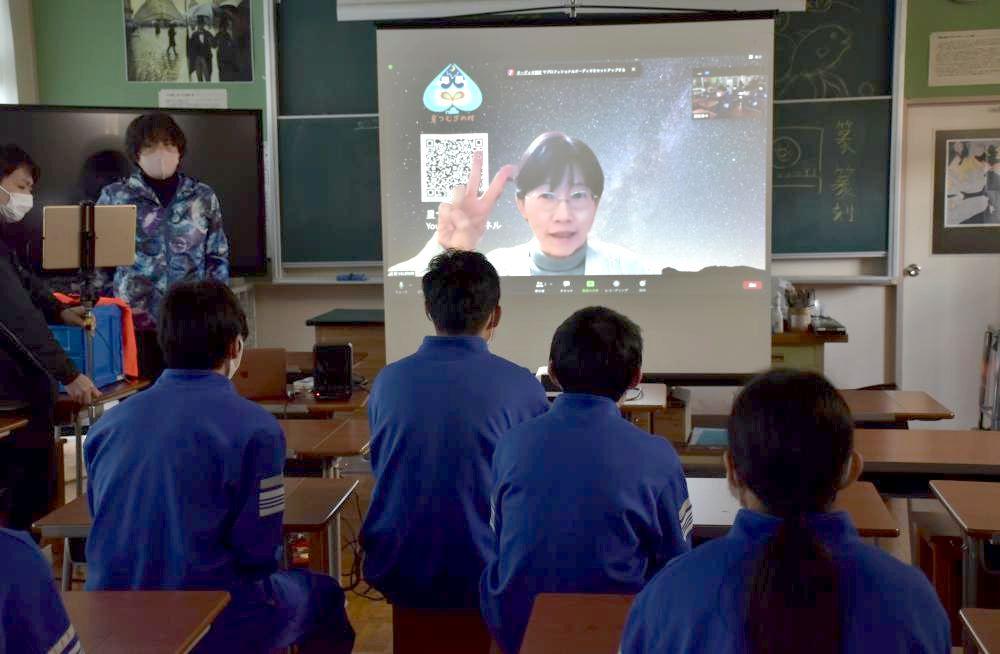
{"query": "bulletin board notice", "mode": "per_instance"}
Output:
(964, 58)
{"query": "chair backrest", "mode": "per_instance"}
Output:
(262, 375)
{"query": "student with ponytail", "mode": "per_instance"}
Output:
(790, 576)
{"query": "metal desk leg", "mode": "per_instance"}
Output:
(331, 470)
(970, 570)
(67, 567)
(78, 439)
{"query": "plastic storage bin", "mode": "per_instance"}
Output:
(108, 364)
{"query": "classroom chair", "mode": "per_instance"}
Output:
(439, 631)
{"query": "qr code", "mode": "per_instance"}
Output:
(446, 161)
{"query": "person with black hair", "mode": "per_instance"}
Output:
(186, 490)
(31, 360)
(583, 500)
(559, 184)
(790, 576)
(179, 235)
(436, 417)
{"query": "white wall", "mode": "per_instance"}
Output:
(282, 310)
(18, 81)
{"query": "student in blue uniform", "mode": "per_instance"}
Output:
(436, 417)
(790, 576)
(584, 501)
(186, 490)
(32, 617)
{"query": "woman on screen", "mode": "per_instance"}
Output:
(558, 183)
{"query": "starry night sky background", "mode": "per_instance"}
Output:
(687, 193)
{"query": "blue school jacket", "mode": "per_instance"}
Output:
(32, 617)
(696, 603)
(584, 502)
(436, 417)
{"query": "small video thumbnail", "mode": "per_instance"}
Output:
(728, 94)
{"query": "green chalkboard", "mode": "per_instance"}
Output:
(835, 49)
(831, 177)
(330, 209)
(324, 66)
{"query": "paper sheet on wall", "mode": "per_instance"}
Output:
(964, 58)
(194, 99)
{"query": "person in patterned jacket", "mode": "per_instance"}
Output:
(179, 236)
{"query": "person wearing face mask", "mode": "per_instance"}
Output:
(559, 183)
(197, 502)
(179, 236)
(436, 417)
(31, 361)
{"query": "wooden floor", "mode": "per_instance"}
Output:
(372, 620)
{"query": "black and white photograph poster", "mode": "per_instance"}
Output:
(188, 41)
(967, 191)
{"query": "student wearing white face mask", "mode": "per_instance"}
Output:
(31, 361)
(179, 235)
(197, 502)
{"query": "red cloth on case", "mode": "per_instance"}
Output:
(130, 351)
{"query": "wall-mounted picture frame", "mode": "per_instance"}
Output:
(967, 191)
(188, 41)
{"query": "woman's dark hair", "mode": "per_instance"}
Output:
(461, 290)
(596, 351)
(550, 159)
(150, 129)
(790, 437)
(198, 323)
(12, 157)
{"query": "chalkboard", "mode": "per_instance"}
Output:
(831, 177)
(324, 66)
(835, 49)
(330, 207)
(832, 151)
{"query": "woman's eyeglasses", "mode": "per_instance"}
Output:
(577, 200)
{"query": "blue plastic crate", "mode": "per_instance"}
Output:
(108, 364)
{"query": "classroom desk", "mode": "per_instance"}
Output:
(9, 424)
(715, 509)
(983, 628)
(153, 622)
(577, 623)
(898, 461)
(894, 406)
(68, 412)
(327, 440)
(975, 506)
(309, 506)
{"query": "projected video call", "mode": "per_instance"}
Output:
(623, 167)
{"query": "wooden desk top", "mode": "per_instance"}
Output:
(577, 623)
(309, 504)
(715, 509)
(984, 625)
(915, 451)
(154, 622)
(974, 505)
(806, 338)
(67, 408)
(929, 450)
(9, 423)
(312, 406)
(326, 439)
(892, 406)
